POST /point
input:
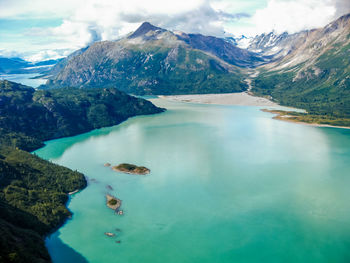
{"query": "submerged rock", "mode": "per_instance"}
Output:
(92, 180)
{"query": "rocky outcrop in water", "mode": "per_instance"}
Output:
(131, 169)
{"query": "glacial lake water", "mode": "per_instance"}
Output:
(25, 79)
(227, 184)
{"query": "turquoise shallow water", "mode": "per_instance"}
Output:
(227, 184)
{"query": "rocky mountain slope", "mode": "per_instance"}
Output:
(153, 60)
(315, 74)
(277, 46)
(274, 46)
(63, 62)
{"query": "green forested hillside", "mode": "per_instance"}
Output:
(315, 76)
(35, 116)
(325, 93)
(33, 192)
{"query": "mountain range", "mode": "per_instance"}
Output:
(309, 69)
(315, 72)
(153, 60)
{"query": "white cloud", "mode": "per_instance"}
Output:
(86, 21)
(110, 19)
(293, 16)
(47, 54)
(247, 6)
(9, 53)
(22, 9)
(290, 16)
(36, 56)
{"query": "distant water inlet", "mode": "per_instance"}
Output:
(227, 184)
(31, 79)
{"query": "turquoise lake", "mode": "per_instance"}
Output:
(227, 184)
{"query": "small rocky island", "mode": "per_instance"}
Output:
(131, 169)
(113, 202)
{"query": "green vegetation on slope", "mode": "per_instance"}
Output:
(18, 241)
(325, 94)
(195, 73)
(152, 70)
(309, 118)
(33, 192)
(28, 117)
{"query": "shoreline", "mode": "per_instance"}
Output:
(239, 98)
(74, 192)
(244, 99)
(289, 118)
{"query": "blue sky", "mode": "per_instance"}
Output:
(43, 29)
